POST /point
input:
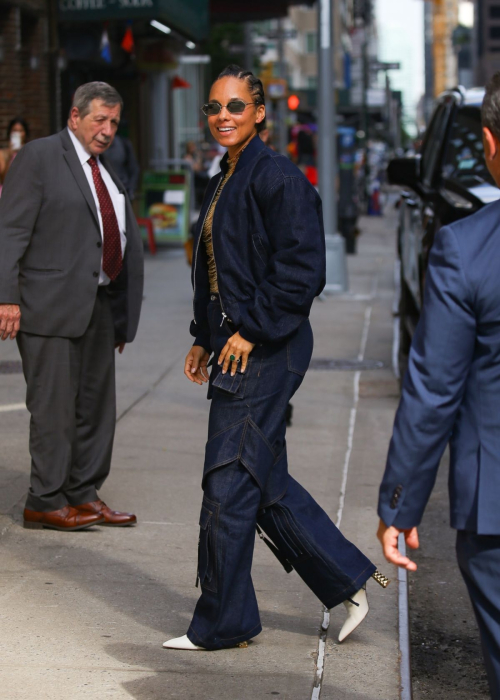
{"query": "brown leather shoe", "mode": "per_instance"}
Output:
(66, 518)
(111, 517)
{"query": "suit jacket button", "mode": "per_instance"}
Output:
(395, 496)
(99, 244)
(96, 274)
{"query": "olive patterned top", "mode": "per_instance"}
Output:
(207, 226)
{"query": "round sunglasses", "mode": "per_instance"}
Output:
(210, 109)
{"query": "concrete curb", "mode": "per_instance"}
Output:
(404, 627)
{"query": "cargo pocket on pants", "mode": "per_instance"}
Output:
(243, 441)
(234, 386)
(207, 547)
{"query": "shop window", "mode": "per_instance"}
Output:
(311, 42)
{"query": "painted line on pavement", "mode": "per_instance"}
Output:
(364, 337)
(350, 443)
(320, 663)
(12, 407)
(395, 348)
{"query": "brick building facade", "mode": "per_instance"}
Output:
(24, 65)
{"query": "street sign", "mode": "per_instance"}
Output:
(286, 34)
(380, 65)
(375, 97)
(277, 88)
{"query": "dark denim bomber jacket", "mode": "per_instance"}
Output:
(269, 248)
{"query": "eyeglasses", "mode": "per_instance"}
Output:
(234, 107)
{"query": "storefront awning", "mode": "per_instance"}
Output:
(189, 17)
(257, 10)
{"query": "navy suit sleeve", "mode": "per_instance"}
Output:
(295, 273)
(439, 364)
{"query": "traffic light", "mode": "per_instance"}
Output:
(293, 102)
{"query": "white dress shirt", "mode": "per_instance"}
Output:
(117, 198)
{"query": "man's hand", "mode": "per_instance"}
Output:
(120, 347)
(195, 366)
(239, 348)
(388, 537)
(10, 320)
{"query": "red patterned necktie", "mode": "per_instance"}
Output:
(112, 260)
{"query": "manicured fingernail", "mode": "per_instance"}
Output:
(193, 371)
(223, 371)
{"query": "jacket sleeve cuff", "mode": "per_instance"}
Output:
(248, 336)
(10, 294)
(204, 342)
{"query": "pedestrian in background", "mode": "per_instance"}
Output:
(451, 394)
(259, 263)
(214, 167)
(71, 279)
(194, 156)
(200, 174)
(17, 135)
(120, 155)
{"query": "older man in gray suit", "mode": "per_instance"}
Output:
(71, 280)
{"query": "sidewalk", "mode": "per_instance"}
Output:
(85, 614)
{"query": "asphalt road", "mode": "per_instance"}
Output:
(445, 649)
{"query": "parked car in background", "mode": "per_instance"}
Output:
(446, 181)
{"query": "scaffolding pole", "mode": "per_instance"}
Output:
(336, 267)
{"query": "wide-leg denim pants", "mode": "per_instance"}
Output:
(246, 482)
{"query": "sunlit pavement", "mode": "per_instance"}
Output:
(85, 614)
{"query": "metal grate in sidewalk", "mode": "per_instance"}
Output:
(11, 367)
(344, 365)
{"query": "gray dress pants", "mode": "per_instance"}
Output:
(71, 399)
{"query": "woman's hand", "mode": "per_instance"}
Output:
(195, 367)
(240, 349)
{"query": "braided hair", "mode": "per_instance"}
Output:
(254, 85)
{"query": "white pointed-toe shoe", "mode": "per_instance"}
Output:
(355, 613)
(182, 643)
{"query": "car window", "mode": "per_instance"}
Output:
(464, 160)
(432, 144)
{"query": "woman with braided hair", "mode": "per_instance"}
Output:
(258, 264)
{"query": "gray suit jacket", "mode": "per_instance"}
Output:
(50, 245)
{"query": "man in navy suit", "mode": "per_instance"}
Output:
(451, 393)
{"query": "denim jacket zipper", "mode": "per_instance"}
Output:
(198, 248)
(224, 315)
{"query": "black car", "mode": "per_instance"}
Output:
(447, 181)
